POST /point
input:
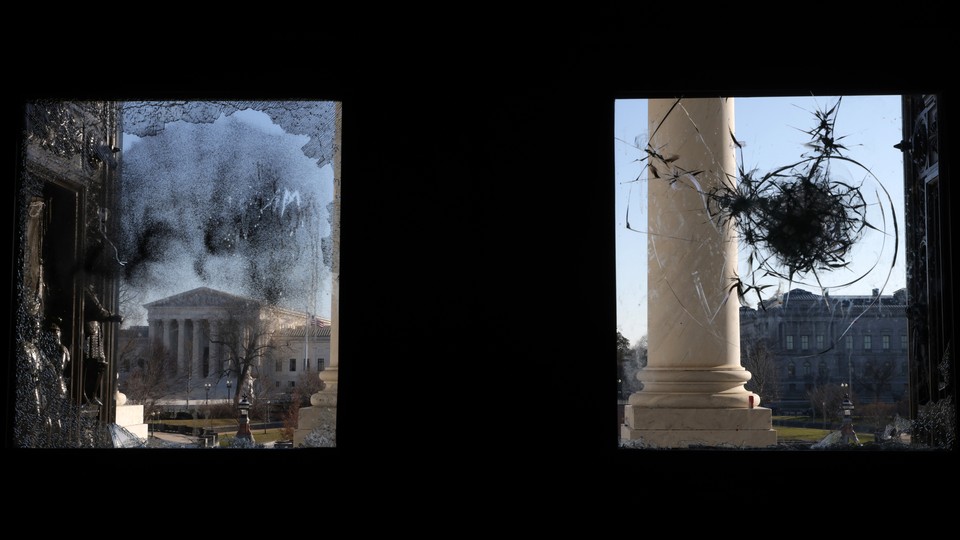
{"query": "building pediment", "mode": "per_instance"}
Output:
(201, 297)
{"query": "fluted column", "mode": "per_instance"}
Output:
(182, 366)
(693, 391)
(197, 357)
(155, 334)
(167, 345)
(214, 347)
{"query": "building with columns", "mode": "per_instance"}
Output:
(202, 332)
(829, 340)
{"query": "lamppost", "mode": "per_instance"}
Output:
(243, 428)
(206, 403)
(844, 388)
(228, 389)
(847, 428)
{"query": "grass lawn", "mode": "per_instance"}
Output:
(259, 436)
(810, 434)
(200, 422)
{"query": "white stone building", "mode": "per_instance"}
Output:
(202, 332)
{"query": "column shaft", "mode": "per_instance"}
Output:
(693, 384)
(182, 366)
(168, 349)
(197, 357)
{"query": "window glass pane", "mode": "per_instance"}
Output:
(783, 287)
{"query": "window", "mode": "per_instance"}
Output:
(791, 370)
(839, 321)
(293, 364)
(903, 343)
(277, 384)
(293, 383)
(806, 368)
(310, 176)
(320, 364)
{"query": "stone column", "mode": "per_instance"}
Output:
(322, 413)
(155, 333)
(197, 357)
(182, 365)
(330, 375)
(693, 391)
(167, 346)
(214, 347)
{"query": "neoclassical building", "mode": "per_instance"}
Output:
(201, 333)
(816, 340)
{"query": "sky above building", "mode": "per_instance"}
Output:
(236, 206)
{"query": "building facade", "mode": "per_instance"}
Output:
(856, 343)
(203, 336)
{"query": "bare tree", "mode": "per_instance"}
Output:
(130, 301)
(629, 361)
(267, 392)
(152, 381)
(307, 384)
(245, 337)
(873, 382)
(758, 358)
(826, 398)
(875, 379)
(640, 352)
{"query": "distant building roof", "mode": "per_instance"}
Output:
(211, 297)
(300, 331)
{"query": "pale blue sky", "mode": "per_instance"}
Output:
(772, 129)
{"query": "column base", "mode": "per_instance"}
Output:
(130, 417)
(683, 428)
(311, 418)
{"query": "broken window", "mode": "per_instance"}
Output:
(815, 198)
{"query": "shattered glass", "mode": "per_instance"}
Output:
(210, 200)
(814, 229)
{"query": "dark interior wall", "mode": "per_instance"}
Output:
(477, 229)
